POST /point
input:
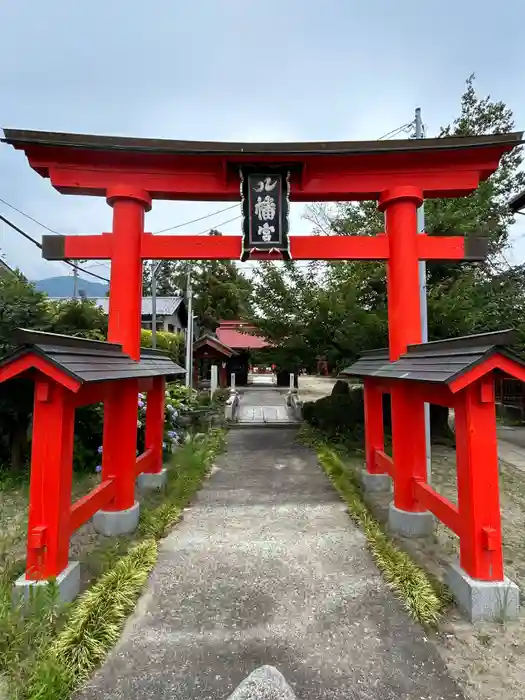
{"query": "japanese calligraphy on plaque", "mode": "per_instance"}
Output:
(265, 208)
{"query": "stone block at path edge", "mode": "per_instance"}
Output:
(265, 683)
(493, 601)
(376, 483)
(117, 522)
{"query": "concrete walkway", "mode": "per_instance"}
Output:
(267, 568)
(262, 406)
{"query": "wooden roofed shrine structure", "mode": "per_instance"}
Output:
(264, 177)
(69, 372)
(460, 374)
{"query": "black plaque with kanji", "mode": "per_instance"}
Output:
(265, 212)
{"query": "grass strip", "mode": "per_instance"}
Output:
(48, 652)
(423, 598)
(93, 627)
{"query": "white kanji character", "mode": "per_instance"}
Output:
(265, 208)
(265, 232)
(265, 185)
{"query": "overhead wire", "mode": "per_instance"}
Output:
(39, 246)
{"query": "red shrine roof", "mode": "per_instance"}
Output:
(209, 170)
(24, 137)
(236, 335)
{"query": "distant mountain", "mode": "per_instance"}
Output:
(63, 287)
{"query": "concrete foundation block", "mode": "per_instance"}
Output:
(483, 600)
(152, 482)
(409, 524)
(68, 583)
(117, 522)
(375, 483)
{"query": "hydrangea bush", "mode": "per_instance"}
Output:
(179, 399)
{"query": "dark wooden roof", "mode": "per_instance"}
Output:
(213, 342)
(439, 362)
(22, 137)
(92, 360)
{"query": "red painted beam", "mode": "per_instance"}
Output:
(143, 461)
(432, 393)
(452, 247)
(88, 505)
(384, 463)
(90, 394)
(349, 179)
(301, 247)
(442, 508)
(307, 247)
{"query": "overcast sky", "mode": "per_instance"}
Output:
(337, 69)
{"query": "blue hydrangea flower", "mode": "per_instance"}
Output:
(99, 450)
(98, 468)
(141, 403)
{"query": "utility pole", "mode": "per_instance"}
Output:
(189, 330)
(154, 270)
(75, 283)
(420, 134)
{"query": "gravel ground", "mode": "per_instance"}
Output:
(487, 659)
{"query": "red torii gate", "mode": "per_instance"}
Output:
(130, 173)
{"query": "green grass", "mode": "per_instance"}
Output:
(424, 598)
(48, 650)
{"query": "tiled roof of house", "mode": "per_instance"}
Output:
(236, 335)
(166, 306)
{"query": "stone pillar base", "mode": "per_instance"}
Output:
(117, 522)
(375, 483)
(68, 583)
(494, 601)
(152, 482)
(410, 524)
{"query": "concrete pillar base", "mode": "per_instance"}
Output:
(376, 483)
(495, 601)
(117, 522)
(410, 524)
(68, 583)
(152, 482)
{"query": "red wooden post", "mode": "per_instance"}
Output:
(125, 301)
(119, 448)
(374, 433)
(155, 424)
(125, 292)
(478, 482)
(51, 479)
(404, 328)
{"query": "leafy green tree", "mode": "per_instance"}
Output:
(337, 310)
(220, 290)
(79, 317)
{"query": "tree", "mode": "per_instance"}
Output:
(79, 317)
(307, 313)
(220, 290)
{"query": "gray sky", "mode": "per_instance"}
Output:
(340, 69)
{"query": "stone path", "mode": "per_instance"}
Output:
(267, 568)
(262, 406)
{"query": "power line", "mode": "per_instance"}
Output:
(201, 218)
(394, 132)
(12, 206)
(39, 246)
(223, 223)
(170, 228)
